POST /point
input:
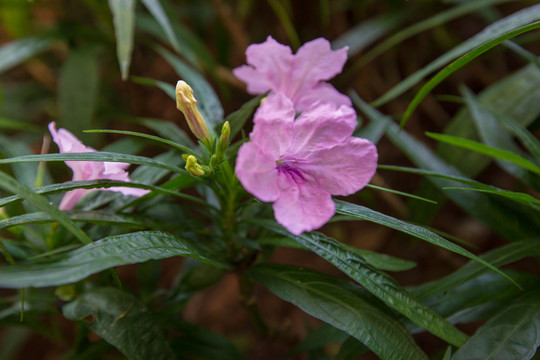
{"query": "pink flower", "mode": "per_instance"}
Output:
(88, 170)
(300, 77)
(298, 164)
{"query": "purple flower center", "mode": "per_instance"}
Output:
(287, 167)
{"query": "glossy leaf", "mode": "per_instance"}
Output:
(124, 27)
(363, 213)
(379, 284)
(103, 254)
(513, 333)
(18, 51)
(335, 301)
(486, 150)
(123, 321)
(459, 63)
(493, 31)
(10, 184)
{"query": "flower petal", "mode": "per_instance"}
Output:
(71, 198)
(302, 206)
(273, 129)
(321, 92)
(345, 168)
(271, 63)
(257, 172)
(315, 61)
(321, 126)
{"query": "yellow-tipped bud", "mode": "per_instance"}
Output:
(193, 166)
(187, 104)
(224, 137)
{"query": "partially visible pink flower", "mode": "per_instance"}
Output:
(298, 164)
(301, 77)
(88, 170)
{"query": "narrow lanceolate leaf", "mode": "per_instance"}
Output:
(94, 217)
(100, 184)
(10, 184)
(103, 254)
(379, 284)
(336, 302)
(496, 30)
(207, 101)
(431, 22)
(16, 52)
(493, 134)
(154, 6)
(527, 139)
(513, 333)
(501, 256)
(123, 321)
(486, 150)
(238, 118)
(363, 213)
(459, 63)
(95, 156)
(78, 91)
(124, 27)
(512, 223)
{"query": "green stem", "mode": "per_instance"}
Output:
(249, 301)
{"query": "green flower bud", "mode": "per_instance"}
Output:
(193, 166)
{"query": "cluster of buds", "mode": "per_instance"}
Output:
(187, 104)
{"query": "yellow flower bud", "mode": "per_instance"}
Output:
(187, 104)
(193, 166)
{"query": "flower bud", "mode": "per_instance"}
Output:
(187, 104)
(193, 166)
(224, 137)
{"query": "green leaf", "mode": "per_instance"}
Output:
(16, 52)
(99, 184)
(124, 27)
(486, 150)
(103, 254)
(78, 90)
(379, 284)
(238, 118)
(95, 156)
(513, 224)
(494, 135)
(94, 217)
(374, 187)
(367, 32)
(155, 8)
(363, 213)
(285, 20)
(10, 184)
(495, 30)
(429, 23)
(459, 63)
(123, 321)
(166, 87)
(180, 147)
(498, 257)
(168, 130)
(516, 196)
(526, 138)
(336, 302)
(207, 101)
(511, 334)
(375, 259)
